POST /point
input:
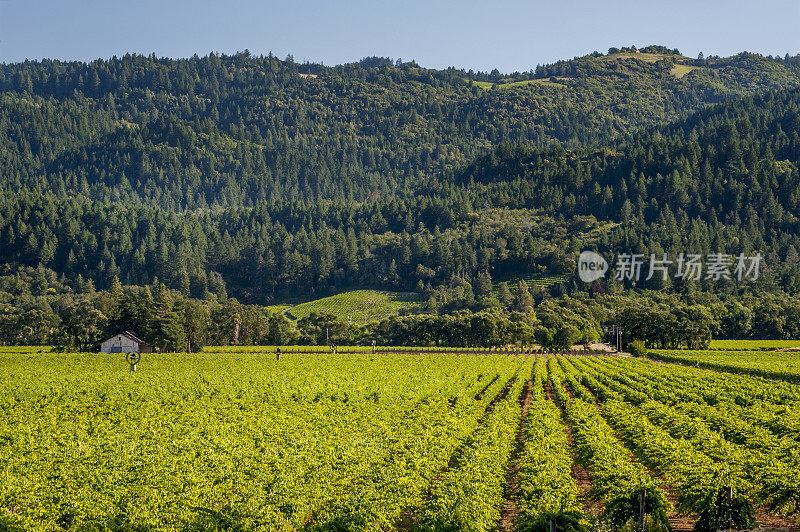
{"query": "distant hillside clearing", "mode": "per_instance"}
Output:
(357, 305)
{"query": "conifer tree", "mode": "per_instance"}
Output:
(523, 301)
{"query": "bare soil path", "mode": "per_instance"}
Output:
(509, 511)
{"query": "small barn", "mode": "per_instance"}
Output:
(126, 342)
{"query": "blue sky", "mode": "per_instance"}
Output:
(509, 35)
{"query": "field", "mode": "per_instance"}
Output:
(773, 364)
(681, 70)
(360, 305)
(239, 440)
(540, 281)
(753, 345)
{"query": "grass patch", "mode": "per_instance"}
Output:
(681, 70)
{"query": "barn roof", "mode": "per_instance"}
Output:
(135, 338)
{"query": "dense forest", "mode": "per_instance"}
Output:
(230, 131)
(217, 184)
(724, 180)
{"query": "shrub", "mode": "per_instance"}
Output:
(637, 349)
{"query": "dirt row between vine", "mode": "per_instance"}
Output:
(509, 512)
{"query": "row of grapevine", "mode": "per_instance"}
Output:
(468, 495)
(766, 405)
(752, 345)
(355, 349)
(767, 444)
(618, 479)
(751, 411)
(548, 490)
(426, 448)
(776, 365)
(708, 470)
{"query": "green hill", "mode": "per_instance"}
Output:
(723, 180)
(235, 179)
(263, 179)
(238, 130)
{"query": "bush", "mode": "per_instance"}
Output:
(637, 349)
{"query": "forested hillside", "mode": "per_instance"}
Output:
(240, 130)
(724, 180)
(262, 178)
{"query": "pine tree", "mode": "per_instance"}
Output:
(523, 301)
(166, 328)
(504, 294)
(483, 285)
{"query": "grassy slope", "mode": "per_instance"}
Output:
(359, 304)
(681, 70)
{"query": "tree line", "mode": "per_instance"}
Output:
(39, 308)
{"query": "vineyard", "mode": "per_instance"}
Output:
(532, 280)
(431, 440)
(775, 364)
(360, 306)
(753, 345)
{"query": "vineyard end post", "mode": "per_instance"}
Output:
(641, 511)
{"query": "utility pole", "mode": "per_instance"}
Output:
(618, 338)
